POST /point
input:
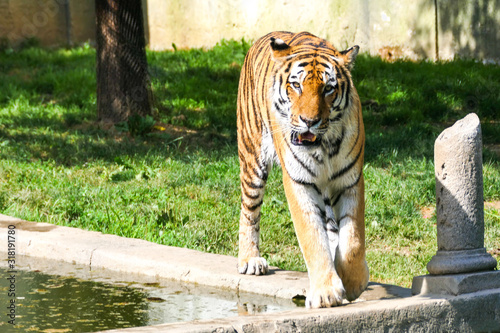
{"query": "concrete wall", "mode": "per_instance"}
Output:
(373, 25)
(469, 28)
(52, 22)
(391, 28)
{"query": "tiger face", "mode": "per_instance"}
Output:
(311, 93)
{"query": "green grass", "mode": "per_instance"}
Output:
(180, 186)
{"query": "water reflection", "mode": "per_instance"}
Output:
(52, 303)
(45, 303)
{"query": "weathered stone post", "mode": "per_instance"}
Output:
(460, 213)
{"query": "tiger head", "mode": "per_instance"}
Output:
(312, 88)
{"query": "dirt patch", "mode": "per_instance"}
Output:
(492, 205)
(429, 211)
(175, 131)
(495, 253)
(205, 139)
(391, 53)
(182, 137)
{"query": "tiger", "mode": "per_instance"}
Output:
(297, 107)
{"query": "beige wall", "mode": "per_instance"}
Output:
(47, 20)
(392, 28)
(371, 24)
(469, 28)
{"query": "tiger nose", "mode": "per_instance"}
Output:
(311, 122)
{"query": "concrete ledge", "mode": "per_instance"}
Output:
(478, 312)
(139, 257)
(96, 250)
(455, 284)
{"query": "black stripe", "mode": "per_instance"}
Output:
(248, 195)
(355, 182)
(318, 158)
(252, 221)
(347, 167)
(348, 95)
(343, 90)
(248, 144)
(280, 107)
(254, 207)
(304, 56)
(322, 212)
(329, 58)
(261, 173)
(338, 100)
(277, 106)
(336, 144)
(338, 116)
(242, 158)
(298, 36)
(335, 108)
(253, 185)
(249, 148)
(357, 138)
(264, 82)
(266, 108)
(336, 201)
(331, 225)
(324, 65)
(257, 118)
(314, 186)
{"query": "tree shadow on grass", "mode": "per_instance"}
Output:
(47, 126)
(87, 143)
(406, 105)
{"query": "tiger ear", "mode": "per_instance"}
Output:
(349, 56)
(280, 48)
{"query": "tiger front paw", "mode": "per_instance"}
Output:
(254, 266)
(328, 295)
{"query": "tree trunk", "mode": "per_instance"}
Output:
(123, 87)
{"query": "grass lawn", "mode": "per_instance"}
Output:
(179, 184)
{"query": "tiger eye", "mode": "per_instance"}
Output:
(296, 85)
(328, 88)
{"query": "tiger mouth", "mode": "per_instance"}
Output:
(304, 139)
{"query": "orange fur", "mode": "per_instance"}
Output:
(297, 106)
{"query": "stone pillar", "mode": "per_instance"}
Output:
(459, 210)
(458, 167)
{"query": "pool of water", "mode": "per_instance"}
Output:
(66, 302)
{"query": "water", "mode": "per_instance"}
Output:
(67, 303)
